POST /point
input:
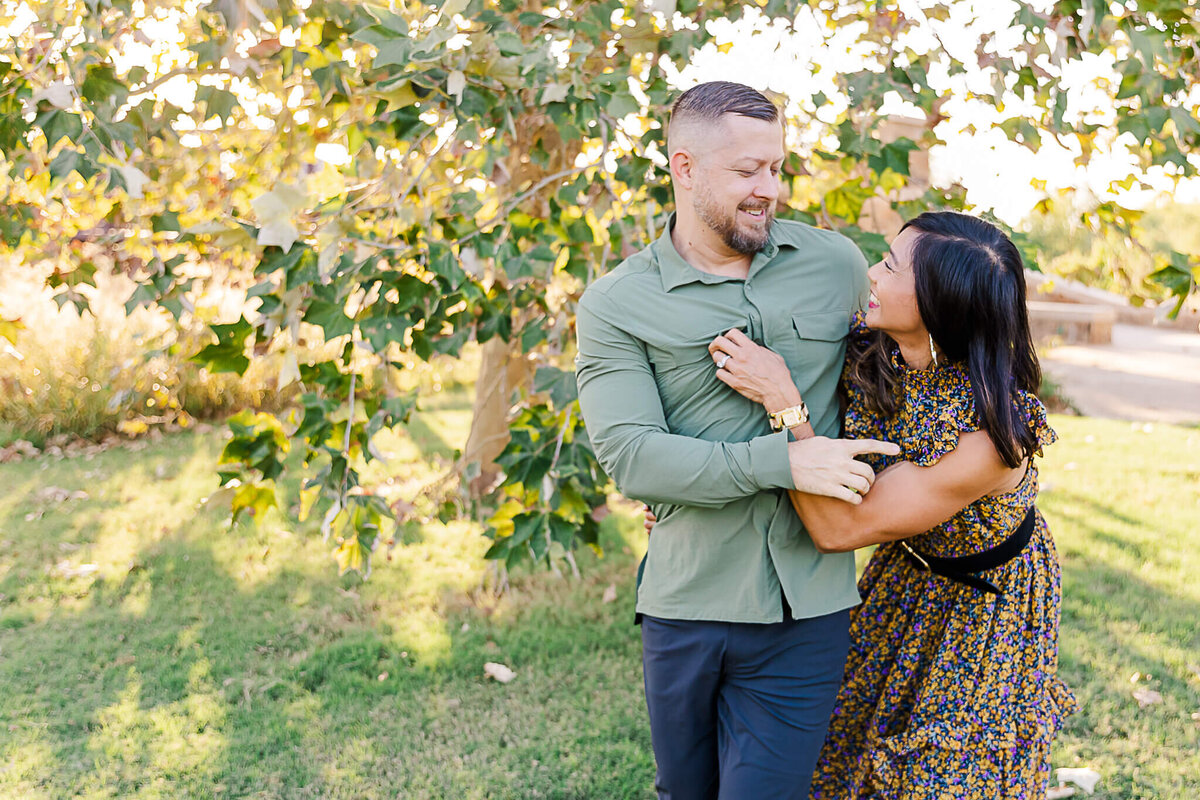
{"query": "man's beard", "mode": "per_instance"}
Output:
(725, 225)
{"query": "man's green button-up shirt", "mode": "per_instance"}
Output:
(672, 435)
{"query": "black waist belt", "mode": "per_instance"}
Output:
(962, 569)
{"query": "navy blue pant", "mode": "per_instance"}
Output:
(738, 711)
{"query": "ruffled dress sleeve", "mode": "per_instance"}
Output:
(1035, 416)
(943, 408)
(950, 412)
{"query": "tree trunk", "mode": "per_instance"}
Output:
(502, 370)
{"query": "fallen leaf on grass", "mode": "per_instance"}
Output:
(1082, 777)
(610, 594)
(498, 672)
(57, 494)
(1195, 670)
(63, 569)
(1146, 697)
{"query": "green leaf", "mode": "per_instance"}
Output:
(58, 125)
(330, 317)
(101, 86)
(873, 245)
(166, 221)
(217, 102)
(229, 352)
(559, 383)
(893, 156)
(384, 324)
(68, 161)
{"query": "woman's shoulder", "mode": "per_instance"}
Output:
(938, 407)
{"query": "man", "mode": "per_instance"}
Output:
(744, 622)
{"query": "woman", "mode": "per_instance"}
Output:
(951, 686)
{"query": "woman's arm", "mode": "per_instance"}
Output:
(907, 499)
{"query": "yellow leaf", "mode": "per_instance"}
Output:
(502, 520)
(401, 97)
(308, 498)
(9, 328)
(132, 427)
(254, 498)
(350, 555)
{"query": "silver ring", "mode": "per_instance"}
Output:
(724, 360)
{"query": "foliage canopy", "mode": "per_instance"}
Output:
(390, 183)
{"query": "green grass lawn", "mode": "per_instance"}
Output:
(203, 661)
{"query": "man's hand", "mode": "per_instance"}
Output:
(827, 467)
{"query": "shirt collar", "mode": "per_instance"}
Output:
(677, 272)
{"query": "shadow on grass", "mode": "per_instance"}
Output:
(231, 662)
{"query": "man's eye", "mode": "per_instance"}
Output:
(745, 173)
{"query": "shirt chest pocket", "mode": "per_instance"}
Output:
(817, 335)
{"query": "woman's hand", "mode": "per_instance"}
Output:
(650, 520)
(753, 371)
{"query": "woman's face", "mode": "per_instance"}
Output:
(893, 304)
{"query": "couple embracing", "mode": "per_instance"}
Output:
(777, 405)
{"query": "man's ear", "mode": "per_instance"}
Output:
(683, 167)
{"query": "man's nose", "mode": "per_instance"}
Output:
(767, 186)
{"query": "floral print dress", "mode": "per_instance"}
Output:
(949, 692)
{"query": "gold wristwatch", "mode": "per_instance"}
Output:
(789, 417)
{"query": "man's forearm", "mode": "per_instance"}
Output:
(658, 467)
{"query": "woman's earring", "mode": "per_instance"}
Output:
(932, 352)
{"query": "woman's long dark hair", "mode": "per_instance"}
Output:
(970, 286)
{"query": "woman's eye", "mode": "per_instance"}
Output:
(746, 173)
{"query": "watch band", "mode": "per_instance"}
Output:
(789, 417)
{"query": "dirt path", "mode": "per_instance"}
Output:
(1145, 374)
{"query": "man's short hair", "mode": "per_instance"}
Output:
(708, 102)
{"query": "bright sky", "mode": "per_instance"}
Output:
(995, 171)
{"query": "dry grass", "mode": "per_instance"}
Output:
(72, 375)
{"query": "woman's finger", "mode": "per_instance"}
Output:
(716, 343)
(739, 338)
(723, 344)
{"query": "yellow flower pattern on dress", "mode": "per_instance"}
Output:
(949, 692)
